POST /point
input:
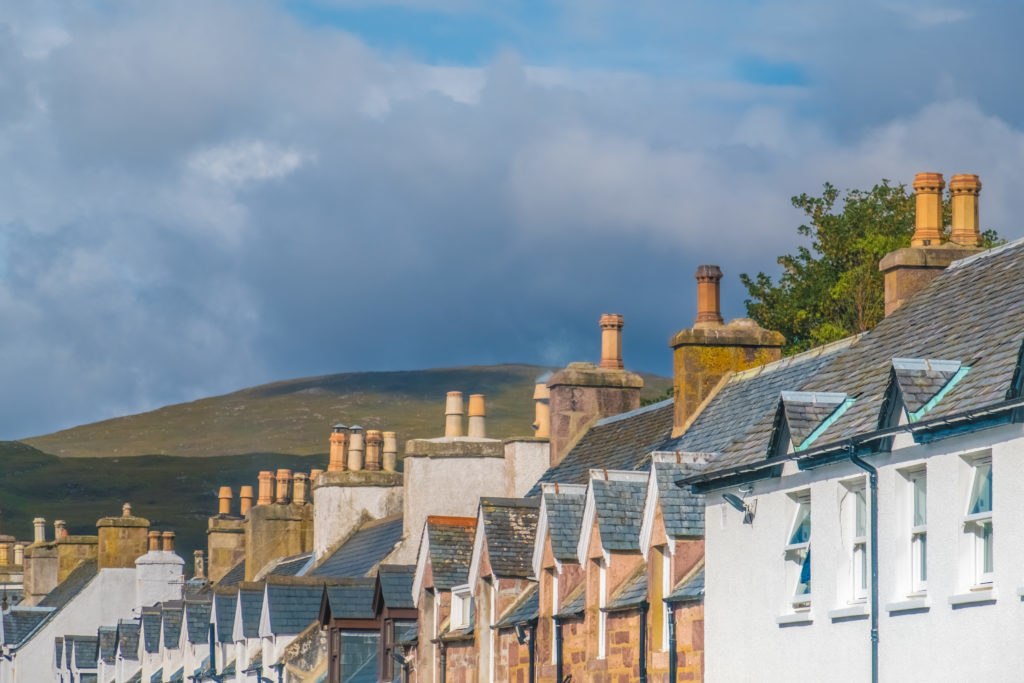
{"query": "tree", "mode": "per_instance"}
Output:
(834, 288)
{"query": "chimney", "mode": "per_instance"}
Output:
(19, 554)
(453, 414)
(705, 353)
(389, 458)
(964, 189)
(167, 538)
(356, 445)
(5, 553)
(245, 497)
(39, 530)
(709, 302)
(266, 488)
(477, 416)
(314, 475)
(300, 495)
(542, 407)
(200, 564)
(928, 218)
(611, 342)
(338, 439)
(121, 540)
(126, 510)
(224, 497)
(154, 540)
(284, 482)
(60, 529)
(373, 444)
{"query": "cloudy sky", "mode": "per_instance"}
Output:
(201, 196)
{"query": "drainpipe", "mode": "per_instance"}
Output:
(873, 482)
(442, 661)
(673, 658)
(644, 607)
(558, 649)
(533, 651)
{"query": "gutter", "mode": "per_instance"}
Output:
(873, 482)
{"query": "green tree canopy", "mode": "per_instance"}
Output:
(834, 288)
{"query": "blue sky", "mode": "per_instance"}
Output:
(205, 195)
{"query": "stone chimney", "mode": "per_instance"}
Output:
(224, 497)
(909, 270)
(374, 440)
(19, 554)
(274, 531)
(200, 565)
(39, 530)
(705, 353)
(477, 416)
(611, 341)
(300, 488)
(245, 498)
(5, 553)
(338, 438)
(583, 393)
(121, 539)
(453, 414)
(266, 488)
(542, 407)
(389, 457)
(284, 485)
(356, 447)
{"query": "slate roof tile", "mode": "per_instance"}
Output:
(252, 603)
(86, 650)
(351, 600)
(363, 551)
(293, 608)
(291, 566)
(631, 593)
(234, 575)
(172, 614)
(510, 525)
(151, 618)
(396, 585)
(107, 637)
(564, 518)
(682, 510)
(526, 608)
(197, 620)
(689, 589)
(128, 633)
(20, 623)
(618, 510)
(226, 606)
(451, 549)
(574, 603)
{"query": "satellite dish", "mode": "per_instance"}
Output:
(737, 503)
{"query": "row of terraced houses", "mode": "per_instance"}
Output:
(847, 513)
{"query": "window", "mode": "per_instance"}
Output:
(462, 605)
(918, 531)
(666, 588)
(602, 627)
(798, 551)
(978, 520)
(554, 611)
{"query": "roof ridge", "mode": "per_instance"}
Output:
(633, 413)
(803, 355)
(967, 260)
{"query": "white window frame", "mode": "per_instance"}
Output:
(799, 553)
(602, 597)
(462, 601)
(666, 588)
(918, 532)
(975, 523)
(860, 579)
(554, 611)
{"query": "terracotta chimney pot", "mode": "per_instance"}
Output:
(168, 541)
(374, 440)
(356, 446)
(709, 304)
(611, 341)
(284, 481)
(224, 497)
(542, 408)
(389, 457)
(453, 414)
(245, 498)
(928, 217)
(39, 530)
(266, 488)
(19, 553)
(300, 495)
(964, 189)
(154, 540)
(338, 439)
(477, 416)
(60, 529)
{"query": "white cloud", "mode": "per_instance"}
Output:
(238, 163)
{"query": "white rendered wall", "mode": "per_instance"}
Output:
(158, 577)
(525, 462)
(749, 583)
(337, 510)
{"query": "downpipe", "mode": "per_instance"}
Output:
(873, 485)
(673, 658)
(644, 607)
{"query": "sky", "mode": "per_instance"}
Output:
(196, 197)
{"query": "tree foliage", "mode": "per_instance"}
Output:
(833, 289)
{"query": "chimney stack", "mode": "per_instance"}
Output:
(964, 189)
(245, 497)
(154, 540)
(168, 541)
(389, 458)
(373, 444)
(313, 475)
(266, 488)
(453, 414)
(338, 439)
(611, 342)
(542, 407)
(5, 553)
(709, 301)
(19, 553)
(300, 495)
(477, 416)
(60, 529)
(284, 481)
(39, 530)
(928, 217)
(126, 510)
(200, 564)
(224, 497)
(356, 446)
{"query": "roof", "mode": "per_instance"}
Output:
(575, 602)
(618, 511)
(525, 609)
(235, 575)
(173, 613)
(178, 676)
(682, 510)
(805, 411)
(128, 639)
(450, 547)
(363, 551)
(197, 620)
(291, 566)
(19, 623)
(631, 593)
(107, 636)
(396, 585)
(71, 586)
(620, 442)
(292, 608)
(352, 599)
(510, 525)
(689, 589)
(225, 615)
(252, 603)
(86, 648)
(136, 677)
(58, 650)
(157, 677)
(919, 379)
(564, 518)
(151, 628)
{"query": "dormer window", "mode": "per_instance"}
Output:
(462, 607)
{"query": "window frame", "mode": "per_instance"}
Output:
(462, 605)
(918, 533)
(602, 597)
(799, 553)
(860, 579)
(554, 611)
(979, 524)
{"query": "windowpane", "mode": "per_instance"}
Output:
(920, 501)
(863, 566)
(986, 539)
(981, 491)
(861, 526)
(802, 525)
(922, 557)
(804, 585)
(359, 656)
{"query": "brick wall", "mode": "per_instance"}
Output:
(461, 662)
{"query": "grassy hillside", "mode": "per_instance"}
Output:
(295, 416)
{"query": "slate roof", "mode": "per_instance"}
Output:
(921, 379)
(86, 649)
(620, 442)
(151, 628)
(197, 620)
(157, 677)
(293, 608)
(178, 676)
(291, 566)
(172, 613)
(806, 411)
(396, 585)
(128, 639)
(351, 600)
(107, 636)
(682, 510)
(252, 603)
(510, 525)
(225, 615)
(71, 586)
(619, 510)
(632, 592)
(973, 312)
(20, 623)
(690, 589)
(525, 609)
(451, 549)
(234, 575)
(574, 603)
(136, 677)
(58, 650)
(564, 519)
(363, 551)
